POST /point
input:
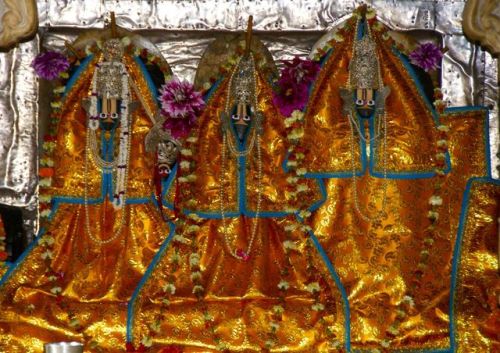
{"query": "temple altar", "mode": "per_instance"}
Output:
(249, 177)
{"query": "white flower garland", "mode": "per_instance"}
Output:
(93, 124)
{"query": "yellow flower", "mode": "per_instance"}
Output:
(283, 285)
(337, 37)
(313, 287)
(197, 289)
(155, 326)
(59, 89)
(278, 309)
(47, 255)
(169, 288)
(56, 290)
(74, 322)
(185, 165)
(147, 341)
(318, 307)
(301, 171)
(443, 128)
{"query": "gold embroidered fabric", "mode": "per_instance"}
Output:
(96, 280)
(205, 191)
(396, 304)
(477, 286)
(236, 308)
(411, 129)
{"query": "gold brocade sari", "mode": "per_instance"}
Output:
(74, 281)
(199, 297)
(405, 280)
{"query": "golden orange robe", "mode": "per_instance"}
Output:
(377, 262)
(239, 295)
(97, 279)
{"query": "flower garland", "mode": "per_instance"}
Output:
(46, 170)
(407, 306)
(189, 226)
(294, 124)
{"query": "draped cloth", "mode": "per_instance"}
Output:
(239, 296)
(396, 304)
(96, 280)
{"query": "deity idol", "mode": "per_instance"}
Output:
(74, 281)
(397, 171)
(241, 273)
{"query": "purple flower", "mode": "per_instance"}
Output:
(427, 56)
(300, 70)
(50, 64)
(292, 92)
(181, 105)
(290, 96)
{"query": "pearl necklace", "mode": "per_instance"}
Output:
(98, 161)
(354, 125)
(85, 198)
(380, 214)
(120, 165)
(240, 254)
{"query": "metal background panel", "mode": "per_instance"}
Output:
(183, 29)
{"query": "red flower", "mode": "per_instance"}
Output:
(3, 255)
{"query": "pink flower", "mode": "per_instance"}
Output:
(293, 85)
(181, 105)
(290, 96)
(300, 70)
(50, 64)
(427, 56)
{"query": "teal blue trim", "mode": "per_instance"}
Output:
(361, 30)
(244, 211)
(241, 196)
(457, 252)
(324, 60)
(411, 72)
(107, 151)
(83, 66)
(152, 88)
(212, 90)
(338, 282)
(144, 279)
(399, 175)
(405, 350)
(166, 184)
(486, 127)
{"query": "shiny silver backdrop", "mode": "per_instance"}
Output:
(182, 30)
